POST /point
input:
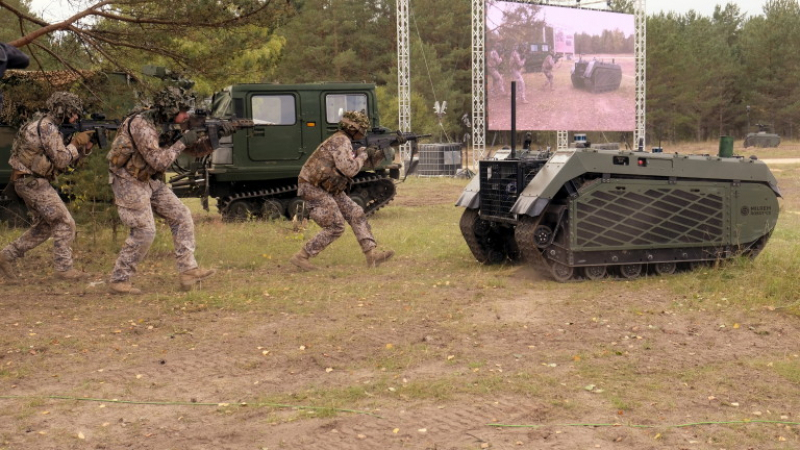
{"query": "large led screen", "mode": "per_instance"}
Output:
(574, 68)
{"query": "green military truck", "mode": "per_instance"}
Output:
(253, 173)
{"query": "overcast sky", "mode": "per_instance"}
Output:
(57, 9)
(702, 7)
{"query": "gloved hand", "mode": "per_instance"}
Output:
(189, 138)
(227, 129)
(81, 139)
(87, 149)
(361, 151)
(374, 152)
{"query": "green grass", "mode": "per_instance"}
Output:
(249, 254)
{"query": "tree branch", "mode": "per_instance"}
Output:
(49, 28)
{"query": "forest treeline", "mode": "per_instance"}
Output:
(706, 75)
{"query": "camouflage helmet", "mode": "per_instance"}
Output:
(63, 104)
(355, 121)
(170, 101)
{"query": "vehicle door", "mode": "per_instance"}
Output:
(277, 135)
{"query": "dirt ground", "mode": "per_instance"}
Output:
(80, 369)
(566, 107)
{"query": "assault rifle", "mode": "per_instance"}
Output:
(205, 126)
(97, 123)
(379, 138)
(214, 128)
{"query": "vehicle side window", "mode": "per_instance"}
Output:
(337, 104)
(273, 109)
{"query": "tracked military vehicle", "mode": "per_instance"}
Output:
(254, 172)
(596, 76)
(12, 210)
(762, 139)
(589, 213)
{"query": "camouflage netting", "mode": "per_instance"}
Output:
(25, 92)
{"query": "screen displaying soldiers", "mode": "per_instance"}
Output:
(574, 69)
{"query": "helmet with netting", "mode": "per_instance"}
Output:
(354, 121)
(170, 101)
(62, 105)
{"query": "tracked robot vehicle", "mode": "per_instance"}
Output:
(596, 76)
(585, 213)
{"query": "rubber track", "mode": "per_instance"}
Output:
(374, 204)
(529, 253)
(467, 225)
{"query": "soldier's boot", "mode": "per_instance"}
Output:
(71, 275)
(190, 278)
(376, 258)
(6, 268)
(301, 260)
(123, 287)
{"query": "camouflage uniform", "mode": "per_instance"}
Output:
(517, 64)
(547, 70)
(322, 182)
(38, 156)
(493, 65)
(136, 164)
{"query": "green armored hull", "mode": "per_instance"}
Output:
(12, 209)
(586, 213)
(762, 140)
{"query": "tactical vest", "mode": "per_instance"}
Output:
(130, 158)
(322, 172)
(33, 157)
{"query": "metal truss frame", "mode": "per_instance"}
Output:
(479, 76)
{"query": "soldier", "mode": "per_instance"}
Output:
(547, 70)
(322, 183)
(493, 64)
(517, 64)
(37, 158)
(137, 162)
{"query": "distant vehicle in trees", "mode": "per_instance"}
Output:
(762, 139)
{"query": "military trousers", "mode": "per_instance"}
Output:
(517, 76)
(331, 211)
(50, 218)
(140, 218)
